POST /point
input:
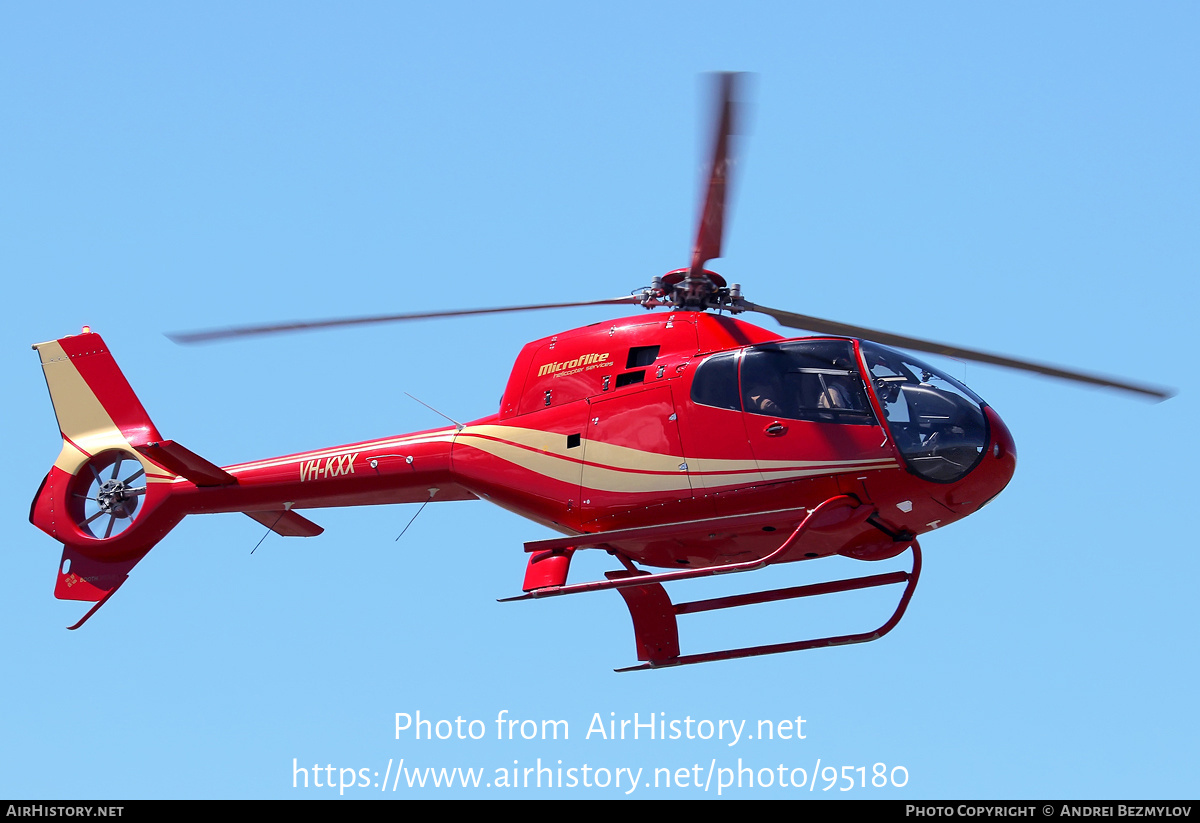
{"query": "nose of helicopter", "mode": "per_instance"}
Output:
(991, 474)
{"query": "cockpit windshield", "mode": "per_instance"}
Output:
(938, 423)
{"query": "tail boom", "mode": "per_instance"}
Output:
(117, 487)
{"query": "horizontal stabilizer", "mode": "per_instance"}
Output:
(286, 523)
(186, 463)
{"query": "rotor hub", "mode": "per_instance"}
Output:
(683, 291)
(117, 498)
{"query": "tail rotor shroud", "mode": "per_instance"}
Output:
(106, 495)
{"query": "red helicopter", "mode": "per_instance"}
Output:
(689, 441)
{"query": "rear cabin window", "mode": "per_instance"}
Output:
(716, 382)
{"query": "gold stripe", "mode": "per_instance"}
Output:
(370, 445)
(568, 470)
(623, 457)
(608, 467)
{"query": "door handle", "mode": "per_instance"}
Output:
(775, 429)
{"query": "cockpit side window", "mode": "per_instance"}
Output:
(815, 380)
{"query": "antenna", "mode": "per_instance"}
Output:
(457, 425)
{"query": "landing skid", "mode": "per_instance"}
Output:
(654, 616)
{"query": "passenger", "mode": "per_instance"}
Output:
(759, 400)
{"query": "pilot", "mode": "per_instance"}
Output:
(833, 395)
(835, 390)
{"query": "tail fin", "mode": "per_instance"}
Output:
(104, 495)
(93, 401)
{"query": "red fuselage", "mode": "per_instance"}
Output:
(608, 427)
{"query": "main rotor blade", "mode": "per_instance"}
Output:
(279, 328)
(816, 324)
(712, 218)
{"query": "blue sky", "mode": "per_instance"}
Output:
(1020, 178)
